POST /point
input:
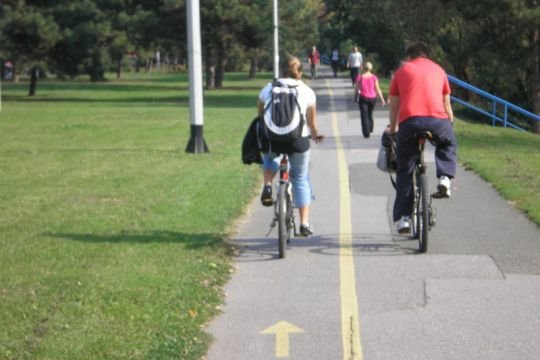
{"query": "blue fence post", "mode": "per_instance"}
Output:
(505, 114)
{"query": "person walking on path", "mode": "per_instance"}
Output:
(354, 63)
(366, 89)
(420, 101)
(314, 60)
(299, 150)
(335, 61)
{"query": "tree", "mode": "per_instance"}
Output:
(495, 46)
(27, 36)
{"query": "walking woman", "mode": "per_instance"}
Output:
(366, 89)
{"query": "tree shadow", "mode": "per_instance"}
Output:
(189, 240)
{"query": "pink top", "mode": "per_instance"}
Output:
(368, 86)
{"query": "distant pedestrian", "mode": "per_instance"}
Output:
(354, 63)
(158, 61)
(335, 61)
(366, 89)
(314, 60)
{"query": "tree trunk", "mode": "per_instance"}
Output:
(253, 68)
(96, 69)
(536, 79)
(210, 71)
(220, 68)
(119, 68)
(34, 74)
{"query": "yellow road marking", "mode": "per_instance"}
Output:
(282, 329)
(350, 328)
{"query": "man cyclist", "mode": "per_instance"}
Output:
(420, 101)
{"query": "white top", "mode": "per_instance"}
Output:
(355, 59)
(306, 97)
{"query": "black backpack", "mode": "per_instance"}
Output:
(282, 121)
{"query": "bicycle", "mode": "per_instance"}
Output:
(283, 208)
(284, 205)
(424, 214)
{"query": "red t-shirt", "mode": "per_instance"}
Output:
(420, 85)
(314, 57)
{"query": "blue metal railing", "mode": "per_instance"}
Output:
(495, 103)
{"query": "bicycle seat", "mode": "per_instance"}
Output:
(423, 135)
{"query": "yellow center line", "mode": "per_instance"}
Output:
(350, 328)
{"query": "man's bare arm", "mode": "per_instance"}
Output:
(394, 112)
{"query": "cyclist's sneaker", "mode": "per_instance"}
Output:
(443, 189)
(266, 196)
(404, 225)
(306, 230)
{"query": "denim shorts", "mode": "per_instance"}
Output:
(299, 174)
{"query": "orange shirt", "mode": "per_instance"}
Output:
(420, 85)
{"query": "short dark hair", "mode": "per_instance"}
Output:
(417, 49)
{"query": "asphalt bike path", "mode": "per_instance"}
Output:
(357, 289)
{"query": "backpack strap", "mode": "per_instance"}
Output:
(392, 180)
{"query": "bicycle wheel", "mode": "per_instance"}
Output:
(416, 208)
(423, 213)
(283, 232)
(290, 214)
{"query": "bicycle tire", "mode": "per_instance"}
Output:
(423, 213)
(283, 232)
(415, 215)
(290, 214)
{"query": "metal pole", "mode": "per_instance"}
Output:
(276, 41)
(196, 142)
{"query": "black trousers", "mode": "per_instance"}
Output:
(407, 154)
(354, 74)
(366, 106)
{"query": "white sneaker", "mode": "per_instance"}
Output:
(443, 187)
(404, 225)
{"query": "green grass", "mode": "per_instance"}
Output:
(111, 235)
(508, 159)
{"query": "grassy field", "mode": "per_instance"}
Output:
(112, 236)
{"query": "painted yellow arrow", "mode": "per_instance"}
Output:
(282, 329)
